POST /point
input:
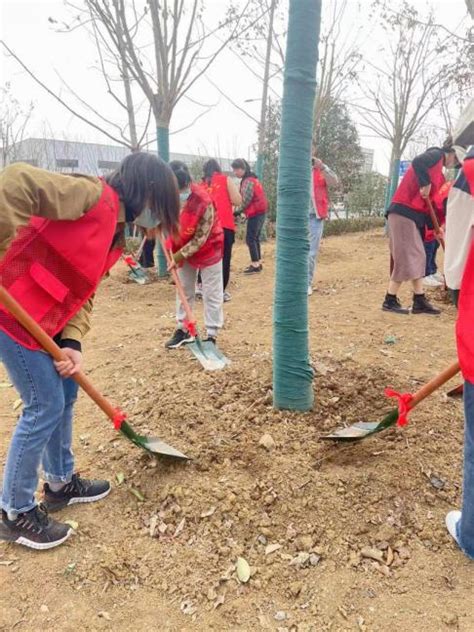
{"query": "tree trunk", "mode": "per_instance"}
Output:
(266, 78)
(163, 139)
(292, 373)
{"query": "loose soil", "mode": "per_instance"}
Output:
(337, 537)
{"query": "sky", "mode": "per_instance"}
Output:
(223, 130)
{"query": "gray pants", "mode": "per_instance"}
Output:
(212, 295)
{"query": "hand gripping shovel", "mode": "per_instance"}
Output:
(406, 402)
(151, 444)
(210, 357)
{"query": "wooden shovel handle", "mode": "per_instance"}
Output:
(48, 344)
(434, 384)
(434, 219)
(176, 279)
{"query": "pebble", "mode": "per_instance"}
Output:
(267, 442)
(280, 615)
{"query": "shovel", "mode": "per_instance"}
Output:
(207, 353)
(407, 402)
(457, 391)
(151, 444)
(137, 273)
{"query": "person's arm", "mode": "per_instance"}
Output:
(201, 235)
(329, 175)
(234, 193)
(247, 196)
(423, 162)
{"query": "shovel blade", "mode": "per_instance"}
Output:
(151, 444)
(209, 355)
(456, 392)
(363, 429)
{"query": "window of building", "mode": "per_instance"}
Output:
(67, 163)
(108, 165)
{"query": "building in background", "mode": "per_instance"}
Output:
(90, 158)
(368, 165)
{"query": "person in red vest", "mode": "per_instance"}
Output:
(225, 195)
(322, 176)
(198, 247)
(460, 524)
(254, 206)
(408, 215)
(59, 234)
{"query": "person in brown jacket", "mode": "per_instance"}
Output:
(58, 235)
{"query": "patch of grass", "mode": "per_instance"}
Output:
(354, 225)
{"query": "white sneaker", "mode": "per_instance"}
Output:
(310, 290)
(452, 519)
(431, 281)
(439, 277)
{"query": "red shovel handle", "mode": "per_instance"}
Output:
(179, 288)
(48, 344)
(435, 383)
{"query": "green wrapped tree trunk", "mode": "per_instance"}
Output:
(163, 136)
(292, 373)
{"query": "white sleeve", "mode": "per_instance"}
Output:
(459, 235)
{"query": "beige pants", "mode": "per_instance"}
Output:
(212, 296)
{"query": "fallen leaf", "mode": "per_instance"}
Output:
(153, 523)
(6, 563)
(138, 495)
(209, 512)
(271, 548)
(389, 556)
(243, 570)
(267, 442)
(17, 403)
(179, 528)
(73, 524)
(219, 601)
(104, 615)
(5, 385)
(372, 554)
(120, 476)
(70, 568)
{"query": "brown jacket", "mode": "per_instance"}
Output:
(25, 191)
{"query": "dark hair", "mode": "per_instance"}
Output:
(209, 168)
(181, 172)
(240, 163)
(144, 180)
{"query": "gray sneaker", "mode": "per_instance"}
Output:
(34, 529)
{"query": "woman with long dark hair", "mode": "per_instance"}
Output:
(254, 206)
(225, 195)
(59, 234)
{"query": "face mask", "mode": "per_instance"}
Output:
(146, 219)
(183, 196)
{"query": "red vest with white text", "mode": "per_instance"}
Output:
(190, 216)
(219, 193)
(53, 267)
(408, 191)
(259, 204)
(321, 196)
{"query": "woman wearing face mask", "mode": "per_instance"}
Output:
(199, 246)
(408, 215)
(70, 233)
(254, 206)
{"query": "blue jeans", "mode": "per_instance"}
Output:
(43, 433)
(316, 227)
(465, 527)
(431, 248)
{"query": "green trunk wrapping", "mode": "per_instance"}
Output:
(292, 373)
(163, 137)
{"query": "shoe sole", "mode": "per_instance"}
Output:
(180, 344)
(75, 501)
(427, 313)
(394, 311)
(31, 544)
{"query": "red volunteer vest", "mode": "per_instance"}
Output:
(217, 189)
(408, 191)
(53, 267)
(465, 321)
(321, 196)
(439, 205)
(191, 213)
(259, 204)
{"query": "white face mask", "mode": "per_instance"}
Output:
(183, 195)
(146, 219)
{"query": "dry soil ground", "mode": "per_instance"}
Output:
(304, 514)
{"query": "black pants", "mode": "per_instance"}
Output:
(229, 238)
(254, 229)
(147, 259)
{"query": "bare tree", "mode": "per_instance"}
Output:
(14, 119)
(414, 71)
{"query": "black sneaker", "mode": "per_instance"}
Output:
(79, 490)
(180, 337)
(421, 305)
(34, 529)
(253, 269)
(392, 304)
(212, 339)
